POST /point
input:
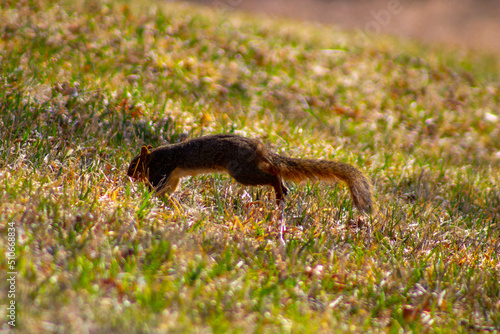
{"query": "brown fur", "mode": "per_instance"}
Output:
(247, 160)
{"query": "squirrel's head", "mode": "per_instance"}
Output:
(138, 167)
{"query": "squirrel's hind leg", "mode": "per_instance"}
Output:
(253, 176)
(281, 191)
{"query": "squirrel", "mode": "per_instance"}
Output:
(247, 160)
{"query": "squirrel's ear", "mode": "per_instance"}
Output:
(150, 147)
(145, 152)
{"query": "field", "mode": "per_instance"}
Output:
(84, 84)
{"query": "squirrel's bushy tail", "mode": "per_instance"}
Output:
(301, 169)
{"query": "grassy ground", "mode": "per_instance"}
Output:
(85, 83)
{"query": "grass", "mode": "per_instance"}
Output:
(85, 83)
